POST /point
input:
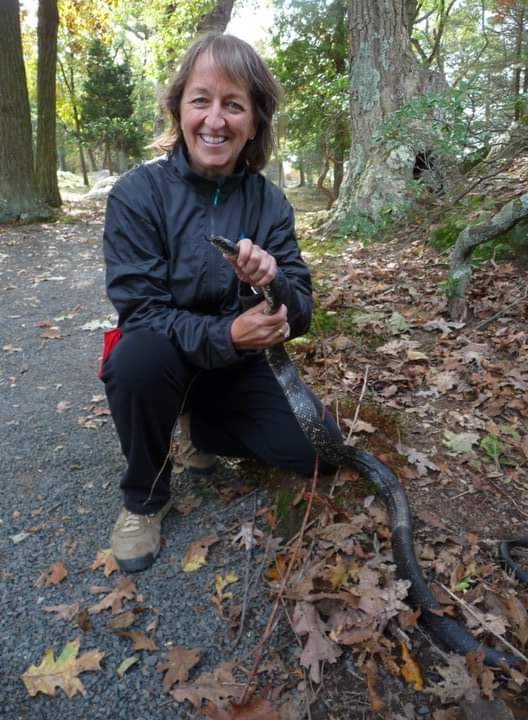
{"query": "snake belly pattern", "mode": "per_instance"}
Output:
(444, 630)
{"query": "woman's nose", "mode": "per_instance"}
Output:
(215, 116)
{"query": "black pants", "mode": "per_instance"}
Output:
(237, 411)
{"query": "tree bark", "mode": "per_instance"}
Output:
(384, 75)
(472, 236)
(218, 18)
(46, 155)
(17, 184)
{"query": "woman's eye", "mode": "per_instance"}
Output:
(198, 101)
(234, 106)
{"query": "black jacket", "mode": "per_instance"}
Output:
(162, 272)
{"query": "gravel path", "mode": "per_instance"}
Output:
(60, 466)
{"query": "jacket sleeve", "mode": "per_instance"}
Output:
(293, 277)
(137, 280)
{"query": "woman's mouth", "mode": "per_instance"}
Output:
(213, 139)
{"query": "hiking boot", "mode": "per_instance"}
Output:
(183, 454)
(136, 539)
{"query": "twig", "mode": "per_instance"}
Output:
(361, 395)
(271, 620)
(299, 643)
(487, 322)
(466, 606)
(249, 553)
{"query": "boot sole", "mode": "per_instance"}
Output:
(136, 564)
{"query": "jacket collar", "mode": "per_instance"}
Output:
(205, 185)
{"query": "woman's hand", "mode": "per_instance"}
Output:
(253, 265)
(255, 329)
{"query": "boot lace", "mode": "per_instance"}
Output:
(132, 522)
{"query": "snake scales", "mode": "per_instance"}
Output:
(445, 630)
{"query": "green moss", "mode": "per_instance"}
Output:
(444, 236)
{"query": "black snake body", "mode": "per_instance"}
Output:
(445, 630)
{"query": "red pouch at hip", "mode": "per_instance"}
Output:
(110, 340)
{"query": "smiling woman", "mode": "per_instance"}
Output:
(216, 118)
(193, 325)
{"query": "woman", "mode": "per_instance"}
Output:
(191, 327)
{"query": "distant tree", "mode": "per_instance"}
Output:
(311, 60)
(107, 106)
(17, 183)
(46, 153)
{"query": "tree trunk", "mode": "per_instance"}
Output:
(302, 177)
(17, 186)
(218, 18)
(518, 101)
(384, 75)
(70, 85)
(46, 155)
(473, 235)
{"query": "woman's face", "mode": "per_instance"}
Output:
(216, 118)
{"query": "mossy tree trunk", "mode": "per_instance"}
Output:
(384, 75)
(17, 182)
(471, 236)
(46, 154)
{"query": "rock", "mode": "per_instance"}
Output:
(484, 710)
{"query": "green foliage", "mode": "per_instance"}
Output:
(444, 236)
(310, 60)
(493, 447)
(450, 288)
(106, 104)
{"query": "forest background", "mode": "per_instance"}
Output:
(386, 104)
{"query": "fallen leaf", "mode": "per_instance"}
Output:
(376, 703)
(107, 560)
(460, 443)
(456, 683)
(177, 664)
(62, 672)
(248, 535)
(217, 687)
(127, 664)
(125, 619)
(83, 620)
(63, 612)
(223, 582)
(51, 333)
(140, 641)
(319, 647)
(409, 669)
(124, 590)
(196, 554)
(53, 575)
(257, 708)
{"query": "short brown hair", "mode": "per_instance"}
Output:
(241, 64)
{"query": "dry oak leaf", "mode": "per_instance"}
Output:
(62, 672)
(196, 554)
(257, 708)
(64, 612)
(248, 536)
(217, 687)
(107, 560)
(409, 669)
(140, 641)
(124, 590)
(319, 647)
(125, 619)
(177, 664)
(457, 684)
(53, 575)
(221, 583)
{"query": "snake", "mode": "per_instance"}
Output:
(444, 630)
